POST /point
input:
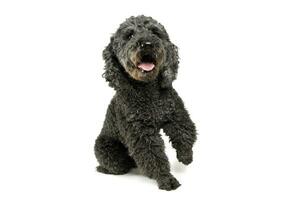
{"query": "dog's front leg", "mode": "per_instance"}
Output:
(146, 147)
(182, 132)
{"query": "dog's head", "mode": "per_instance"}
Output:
(140, 49)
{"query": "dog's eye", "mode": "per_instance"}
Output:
(129, 34)
(156, 32)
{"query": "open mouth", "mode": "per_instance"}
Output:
(147, 63)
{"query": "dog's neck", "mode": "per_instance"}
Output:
(140, 88)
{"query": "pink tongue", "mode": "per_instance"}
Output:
(146, 66)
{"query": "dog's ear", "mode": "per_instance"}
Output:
(112, 68)
(169, 71)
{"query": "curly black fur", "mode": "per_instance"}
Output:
(145, 102)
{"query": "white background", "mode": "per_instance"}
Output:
(232, 78)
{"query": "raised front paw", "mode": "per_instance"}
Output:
(168, 183)
(185, 157)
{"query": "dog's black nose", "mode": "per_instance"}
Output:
(146, 44)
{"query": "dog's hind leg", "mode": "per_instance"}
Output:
(112, 156)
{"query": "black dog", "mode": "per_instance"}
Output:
(141, 64)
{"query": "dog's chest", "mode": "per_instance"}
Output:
(151, 109)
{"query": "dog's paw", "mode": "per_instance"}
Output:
(103, 170)
(168, 183)
(185, 157)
